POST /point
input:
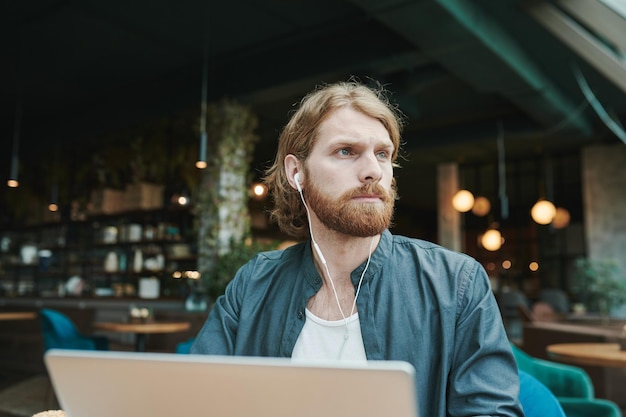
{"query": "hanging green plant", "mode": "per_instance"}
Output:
(222, 217)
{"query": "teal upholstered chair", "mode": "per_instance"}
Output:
(571, 385)
(563, 380)
(597, 407)
(59, 332)
(536, 399)
(185, 347)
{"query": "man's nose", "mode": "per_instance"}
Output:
(371, 170)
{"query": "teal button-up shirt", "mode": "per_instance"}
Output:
(419, 303)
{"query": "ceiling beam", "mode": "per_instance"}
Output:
(582, 42)
(476, 48)
(601, 18)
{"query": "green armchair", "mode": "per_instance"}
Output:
(581, 407)
(570, 384)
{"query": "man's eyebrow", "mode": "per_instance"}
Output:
(343, 141)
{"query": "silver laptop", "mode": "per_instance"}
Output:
(136, 384)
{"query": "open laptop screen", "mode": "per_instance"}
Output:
(130, 384)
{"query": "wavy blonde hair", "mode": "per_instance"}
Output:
(300, 134)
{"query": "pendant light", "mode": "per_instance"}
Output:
(544, 210)
(201, 163)
(54, 198)
(13, 181)
(482, 205)
(463, 201)
(504, 199)
(258, 191)
(561, 218)
(492, 239)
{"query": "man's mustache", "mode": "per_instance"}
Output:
(373, 189)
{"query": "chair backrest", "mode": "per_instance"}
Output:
(59, 331)
(185, 347)
(563, 380)
(57, 323)
(597, 407)
(536, 399)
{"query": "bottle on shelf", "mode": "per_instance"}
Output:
(137, 260)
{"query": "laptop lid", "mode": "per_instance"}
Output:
(131, 384)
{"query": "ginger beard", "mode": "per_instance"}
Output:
(350, 217)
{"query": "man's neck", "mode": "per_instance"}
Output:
(343, 253)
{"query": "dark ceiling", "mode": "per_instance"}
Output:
(457, 68)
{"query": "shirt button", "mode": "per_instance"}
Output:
(300, 315)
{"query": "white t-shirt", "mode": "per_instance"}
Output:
(326, 340)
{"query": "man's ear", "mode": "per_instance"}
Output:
(292, 167)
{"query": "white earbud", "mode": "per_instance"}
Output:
(296, 178)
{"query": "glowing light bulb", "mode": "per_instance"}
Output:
(543, 212)
(492, 240)
(561, 218)
(481, 206)
(258, 190)
(463, 201)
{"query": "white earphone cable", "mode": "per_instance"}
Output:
(323, 260)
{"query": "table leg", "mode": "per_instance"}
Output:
(140, 342)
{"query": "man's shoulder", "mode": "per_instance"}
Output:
(405, 240)
(268, 266)
(278, 257)
(401, 242)
(418, 243)
(271, 255)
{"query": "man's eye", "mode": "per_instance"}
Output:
(344, 152)
(383, 155)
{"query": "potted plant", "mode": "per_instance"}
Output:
(600, 284)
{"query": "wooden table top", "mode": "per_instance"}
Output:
(17, 315)
(144, 327)
(587, 327)
(595, 354)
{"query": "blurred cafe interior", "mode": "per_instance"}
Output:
(106, 106)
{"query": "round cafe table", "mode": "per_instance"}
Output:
(17, 315)
(594, 354)
(142, 328)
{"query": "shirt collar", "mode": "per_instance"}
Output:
(380, 254)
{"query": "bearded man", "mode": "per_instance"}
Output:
(351, 290)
